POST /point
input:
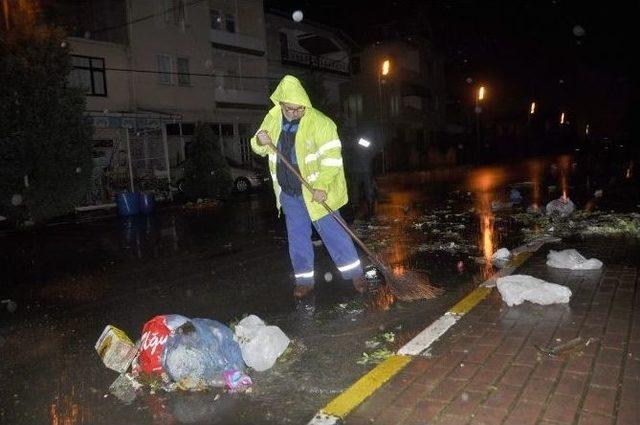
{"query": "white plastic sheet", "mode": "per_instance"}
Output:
(516, 289)
(261, 345)
(571, 259)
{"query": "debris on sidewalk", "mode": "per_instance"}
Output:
(500, 257)
(115, 349)
(571, 259)
(516, 289)
(562, 206)
(261, 345)
(569, 347)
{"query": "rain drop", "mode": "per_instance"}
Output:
(297, 15)
(16, 199)
(328, 277)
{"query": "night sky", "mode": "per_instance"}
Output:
(522, 49)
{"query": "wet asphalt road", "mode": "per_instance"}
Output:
(70, 280)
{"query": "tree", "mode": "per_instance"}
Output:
(45, 140)
(206, 172)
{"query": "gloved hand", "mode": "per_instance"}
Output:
(319, 195)
(263, 137)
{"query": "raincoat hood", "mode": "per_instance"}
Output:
(290, 90)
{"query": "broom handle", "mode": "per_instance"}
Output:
(338, 218)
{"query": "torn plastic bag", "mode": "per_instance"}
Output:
(261, 345)
(571, 259)
(516, 289)
(563, 207)
(199, 352)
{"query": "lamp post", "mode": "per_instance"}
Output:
(478, 111)
(384, 71)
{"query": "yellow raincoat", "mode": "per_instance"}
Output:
(318, 148)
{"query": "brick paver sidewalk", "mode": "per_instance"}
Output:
(487, 370)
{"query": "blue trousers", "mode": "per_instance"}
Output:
(337, 241)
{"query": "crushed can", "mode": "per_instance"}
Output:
(116, 349)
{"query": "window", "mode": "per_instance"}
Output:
(216, 19)
(88, 74)
(230, 23)
(184, 79)
(163, 66)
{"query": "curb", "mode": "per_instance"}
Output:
(337, 409)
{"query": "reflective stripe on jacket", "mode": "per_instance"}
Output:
(318, 148)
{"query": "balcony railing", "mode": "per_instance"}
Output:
(307, 60)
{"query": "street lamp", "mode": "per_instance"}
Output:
(478, 111)
(532, 108)
(385, 68)
(562, 118)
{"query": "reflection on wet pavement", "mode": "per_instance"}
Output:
(71, 280)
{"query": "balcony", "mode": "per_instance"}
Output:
(307, 60)
(238, 42)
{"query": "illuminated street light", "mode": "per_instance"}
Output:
(532, 109)
(385, 67)
(562, 118)
(481, 93)
(586, 130)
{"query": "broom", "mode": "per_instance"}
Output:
(410, 286)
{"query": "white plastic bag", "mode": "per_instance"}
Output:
(571, 259)
(261, 345)
(516, 289)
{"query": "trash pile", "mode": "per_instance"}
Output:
(179, 353)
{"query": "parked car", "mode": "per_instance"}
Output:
(243, 177)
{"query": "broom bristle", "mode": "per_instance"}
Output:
(412, 286)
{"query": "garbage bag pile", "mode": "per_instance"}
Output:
(176, 352)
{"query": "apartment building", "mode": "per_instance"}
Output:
(152, 69)
(317, 54)
(399, 105)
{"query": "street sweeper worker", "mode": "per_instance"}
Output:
(309, 140)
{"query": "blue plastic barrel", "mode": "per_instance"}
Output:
(147, 202)
(128, 203)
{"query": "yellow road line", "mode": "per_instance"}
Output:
(365, 386)
(470, 301)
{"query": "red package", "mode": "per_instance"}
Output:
(155, 334)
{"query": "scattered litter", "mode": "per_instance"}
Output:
(515, 196)
(317, 242)
(124, 388)
(378, 356)
(261, 345)
(236, 380)
(562, 206)
(500, 257)
(568, 347)
(571, 259)
(10, 305)
(115, 349)
(516, 289)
